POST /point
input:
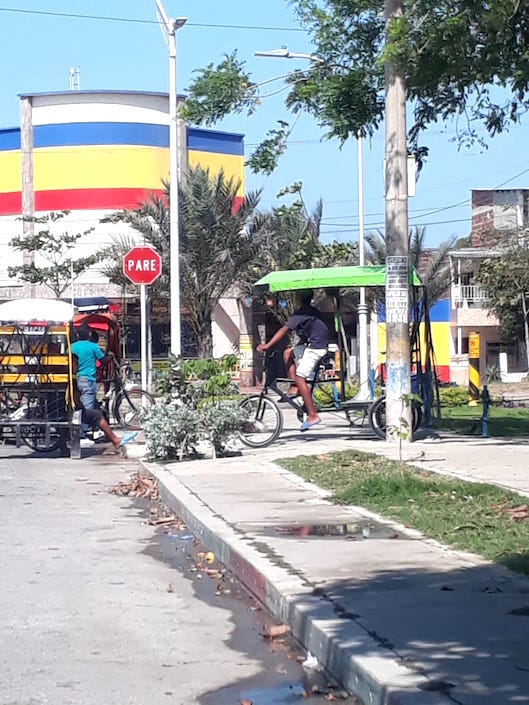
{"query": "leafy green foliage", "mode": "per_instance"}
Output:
(506, 278)
(198, 405)
(265, 157)
(453, 396)
(223, 421)
(54, 249)
(462, 59)
(324, 395)
(172, 431)
(220, 245)
(218, 91)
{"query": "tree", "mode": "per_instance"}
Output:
(220, 245)
(506, 278)
(462, 59)
(433, 265)
(56, 251)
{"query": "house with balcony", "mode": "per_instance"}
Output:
(494, 211)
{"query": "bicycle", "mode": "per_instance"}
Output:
(122, 400)
(265, 419)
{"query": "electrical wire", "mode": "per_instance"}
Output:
(138, 20)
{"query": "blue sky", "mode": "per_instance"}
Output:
(37, 51)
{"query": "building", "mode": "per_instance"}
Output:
(495, 212)
(94, 153)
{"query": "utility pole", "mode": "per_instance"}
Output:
(398, 357)
(169, 28)
(363, 352)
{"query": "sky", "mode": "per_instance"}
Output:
(37, 50)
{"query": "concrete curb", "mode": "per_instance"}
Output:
(346, 650)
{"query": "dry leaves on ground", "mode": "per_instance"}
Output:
(137, 486)
(275, 631)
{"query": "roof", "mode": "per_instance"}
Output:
(474, 253)
(329, 278)
(95, 91)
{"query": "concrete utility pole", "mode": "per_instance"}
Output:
(398, 357)
(169, 28)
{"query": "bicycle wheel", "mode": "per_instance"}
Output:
(264, 422)
(35, 438)
(377, 417)
(129, 404)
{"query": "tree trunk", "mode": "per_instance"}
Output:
(204, 337)
(526, 329)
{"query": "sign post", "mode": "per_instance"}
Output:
(142, 266)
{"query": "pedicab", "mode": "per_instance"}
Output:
(119, 396)
(36, 377)
(265, 417)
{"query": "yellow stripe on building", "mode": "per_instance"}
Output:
(232, 165)
(10, 172)
(57, 168)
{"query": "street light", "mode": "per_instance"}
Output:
(363, 387)
(169, 28)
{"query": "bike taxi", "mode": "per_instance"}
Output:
(265, 417)
(36, 385)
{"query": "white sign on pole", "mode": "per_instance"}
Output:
(397, 289)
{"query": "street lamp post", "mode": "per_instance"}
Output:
(363, 376)
(169, 28)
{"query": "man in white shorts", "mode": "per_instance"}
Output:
(302, 360)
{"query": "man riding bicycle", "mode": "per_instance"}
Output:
(303, 358)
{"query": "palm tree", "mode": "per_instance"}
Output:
(219, 245)
(433, 265)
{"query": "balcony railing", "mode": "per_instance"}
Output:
(469, 294)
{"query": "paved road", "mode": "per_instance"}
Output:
(85, 613)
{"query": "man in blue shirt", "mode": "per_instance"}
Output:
(87, 354)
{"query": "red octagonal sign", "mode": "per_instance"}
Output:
(142, 265)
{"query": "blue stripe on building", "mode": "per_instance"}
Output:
(439, 312)
(213, 141)
(9, 139)
(74, 134)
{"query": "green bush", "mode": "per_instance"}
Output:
(221, 421)
(453, 396)
(172, 431)
(323, 394)
(200, 403)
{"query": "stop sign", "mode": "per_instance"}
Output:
(142, 265)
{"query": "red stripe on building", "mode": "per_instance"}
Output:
(11, 203)
(91, 199)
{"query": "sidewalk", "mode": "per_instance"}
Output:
(398, 619)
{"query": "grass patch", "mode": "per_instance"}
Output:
(503, 422)
(463, 515)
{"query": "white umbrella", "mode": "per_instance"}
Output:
(27, 310)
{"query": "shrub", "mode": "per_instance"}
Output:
(172, 431)
(221, 421)
(201, 403)
(453, 396)
(324, 394)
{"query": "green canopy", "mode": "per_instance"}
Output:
(329, 278)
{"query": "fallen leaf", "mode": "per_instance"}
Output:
(162, 520)
(209, 557)
(275, 631)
